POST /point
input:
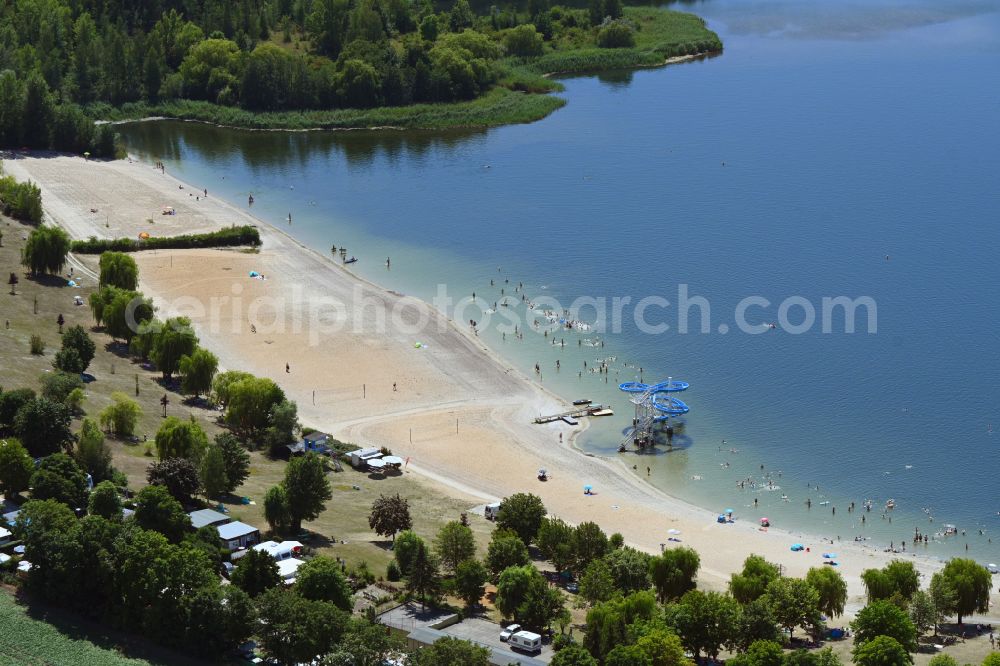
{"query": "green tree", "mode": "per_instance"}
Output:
(212, 472)
(198, 370)
(454, 544)
(156, 510)
(596, 583)
(616, 35)
(673, 573)
(124, 313)
(211, 67)
(831, 587)
(461, 16)
(37, 108)
(177, 438)
(661, 646)
(276, 510)
(521, 512)
(881, 651)
(629, 569)
(121, 416)
(523, 41)
(11, 403)
(627, 655)
(307, 488)
(992, 659)
(119, 270)
(525, 595)
(58, 477)
(470, 581)
(423, 579)
(752, 581)
(45, 250)
(429, 28)
(365, 644)
(556, 540)
(321, 579)
(793, 602)
(16, 467)
(970, 583)
(223, 383)
(178, 475)
(56, 386)
(248, 404)
(589, 543)
(92, 454)
(944, 596)
(43, 426)
(505, 550)
(607, 622)
(405, 549)
(923, 615)
(573, 655)
(390, 514)
(295, 630)
(175, 340)
(762, 653)
(757, 623)
(255, 573)
(883, 618)
(283, 426)
(236, 459)
(105, 502)
(942, 660)
(77, 339)
(706, 622)
(450, 651)
(897, 577)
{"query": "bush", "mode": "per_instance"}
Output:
(616, 35)
(56, 386)
(22, 201)
(37, 345)
(228, 237)
(392, 572)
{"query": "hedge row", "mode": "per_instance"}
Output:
(228, 237)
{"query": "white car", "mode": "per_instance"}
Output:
(993, 568)
(509, 631)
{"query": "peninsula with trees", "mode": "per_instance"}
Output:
(296, 64)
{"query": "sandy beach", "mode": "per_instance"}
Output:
(458, 411)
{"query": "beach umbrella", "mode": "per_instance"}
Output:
(830, 556)
(673, 531)
(728, 511)
(143, 235)
(254, 273)
(588, 487)
(765, 520)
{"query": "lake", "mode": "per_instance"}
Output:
(837, 149)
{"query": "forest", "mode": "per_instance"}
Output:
(66, 63)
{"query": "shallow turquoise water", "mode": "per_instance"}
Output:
(823, 140)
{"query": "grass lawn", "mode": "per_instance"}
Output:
(30, 637)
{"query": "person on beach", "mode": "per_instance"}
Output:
(250, 199)
(289, 218)
(288, 368)
(394, 387)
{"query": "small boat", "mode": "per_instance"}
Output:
(351, 260)
(603, 412)
(583, 401)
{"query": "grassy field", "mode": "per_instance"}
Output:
(31, 637)
(341, 531)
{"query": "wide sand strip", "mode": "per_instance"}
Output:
(460, 413)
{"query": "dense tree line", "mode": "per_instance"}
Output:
(65, 62)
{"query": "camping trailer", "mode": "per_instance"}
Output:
(492, 511)
(360, 457)
(526, 641)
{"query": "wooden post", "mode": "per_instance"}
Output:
(137, 384)
(364, 390)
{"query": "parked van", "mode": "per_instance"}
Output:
(526, 641)
(492, 511)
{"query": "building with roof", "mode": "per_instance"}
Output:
(206, 517)
(288, 569)
(238, 535)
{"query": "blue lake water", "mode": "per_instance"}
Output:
(834, 149)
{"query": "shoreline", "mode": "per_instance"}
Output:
(492, 413)
(673, 60)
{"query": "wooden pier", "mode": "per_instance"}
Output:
(573, 414)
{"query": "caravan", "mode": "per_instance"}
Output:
(526, 641)
(492, 511)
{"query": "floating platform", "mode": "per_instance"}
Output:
(586, 410)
